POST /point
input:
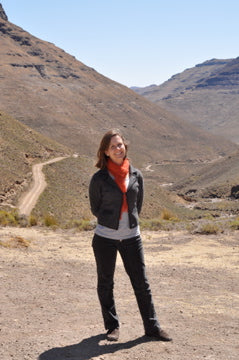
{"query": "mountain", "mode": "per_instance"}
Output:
(52, 99)
(205, 95)
(60, 97)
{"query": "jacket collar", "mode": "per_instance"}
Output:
(132, 176)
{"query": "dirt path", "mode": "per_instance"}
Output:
(50, 310)
(29, 200)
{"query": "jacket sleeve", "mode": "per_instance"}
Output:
(94, 195)
(141, 192)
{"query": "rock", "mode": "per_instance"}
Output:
(2, 13)
(235, 192)
(23, 220)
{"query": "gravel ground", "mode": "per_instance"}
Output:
(50, 310)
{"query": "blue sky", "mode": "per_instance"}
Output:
(134, 42)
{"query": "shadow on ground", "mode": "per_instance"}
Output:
(89, 348)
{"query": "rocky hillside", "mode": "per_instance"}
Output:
(3, 15)
(217, 180)
(206, 95)
(20, 147)
(55, 94)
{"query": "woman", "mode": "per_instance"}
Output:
(116, 196)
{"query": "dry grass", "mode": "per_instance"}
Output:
(8, 218)
(15, 242)
(208, 228)
(235, 224)
(166, 214)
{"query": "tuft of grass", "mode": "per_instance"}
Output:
(208, 229)
(8, 218)
(15, 242)
(234, 224)
(32, 220)
(50, 221)
(168, 215)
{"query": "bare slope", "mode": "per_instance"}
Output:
(20, 147)
(217, 180)
(206, 95)
(57, 95)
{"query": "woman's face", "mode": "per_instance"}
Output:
(116, 150)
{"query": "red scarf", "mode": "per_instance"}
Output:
(119, 173)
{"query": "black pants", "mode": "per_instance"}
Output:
(131, 251)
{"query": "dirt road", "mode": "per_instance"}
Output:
(50, 310)
(29, 200)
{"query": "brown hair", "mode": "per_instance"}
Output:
(104, 145)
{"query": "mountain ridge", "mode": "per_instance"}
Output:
(205, 95)
(74, 105)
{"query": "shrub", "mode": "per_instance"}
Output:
(32, 220)
(168, 215)
(8, 218)
(208, 228)
(235, 224)
(50, 221)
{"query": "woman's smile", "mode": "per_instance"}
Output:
(116, 150)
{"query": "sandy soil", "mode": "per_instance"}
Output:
(50, 311)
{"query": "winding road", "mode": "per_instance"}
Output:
(29, 200)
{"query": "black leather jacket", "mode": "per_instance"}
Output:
(106, 198)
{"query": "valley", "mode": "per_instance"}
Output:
(184, 137)
(53, 105)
